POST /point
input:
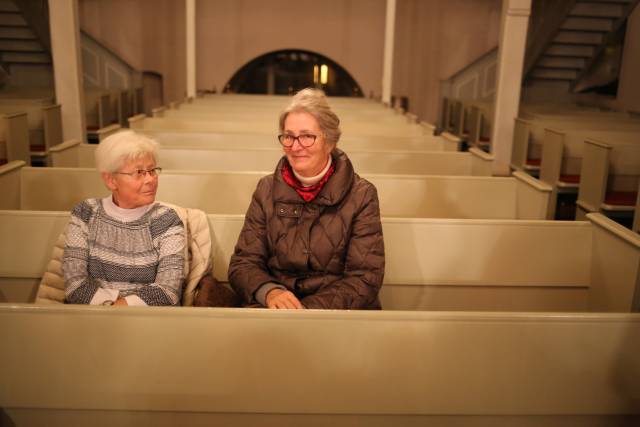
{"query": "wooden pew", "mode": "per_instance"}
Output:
(529, 136)
(75, 154)
(426, 142)
(350, 368)
(267, 127)
(43, 123)
(60, 189)
(431, 264)
(561, 160)
(600, 163)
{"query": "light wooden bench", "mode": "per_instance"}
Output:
(530, 134)
(75, 154)
(561, 161)
(427, 142)
(431, 264)
(60, 189)
(267, 127)
(367, 368)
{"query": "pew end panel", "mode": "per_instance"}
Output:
(521, 137)
(158, 112)
(481, 162)
(16, 129)
(10, 184)
(428, 128)
(615, 267)
(451, 142)
(533, 197)
(107, 131)
(66, 154)
(52, 119)
(137, 122)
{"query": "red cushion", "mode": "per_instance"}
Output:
(571, 179)
(3, 161)
(484, 139)
(36, 147)
(621, 198)
(533, 162)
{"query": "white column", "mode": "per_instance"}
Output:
(511, 49)
(191, 47)
(389, 32)
(67, 66)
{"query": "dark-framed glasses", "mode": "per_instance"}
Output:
(141, 173)
(305, 139)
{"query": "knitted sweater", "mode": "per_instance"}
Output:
(144, 257)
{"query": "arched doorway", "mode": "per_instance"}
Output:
(285, 72)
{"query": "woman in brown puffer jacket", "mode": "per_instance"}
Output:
(312, 236)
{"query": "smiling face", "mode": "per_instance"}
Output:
(129, 191)
(306, 161)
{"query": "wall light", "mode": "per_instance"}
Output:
(324, 74)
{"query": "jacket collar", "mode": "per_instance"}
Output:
(333, 191)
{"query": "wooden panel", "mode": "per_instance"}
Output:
(409, 363)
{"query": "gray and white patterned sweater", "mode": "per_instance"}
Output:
(144, 257)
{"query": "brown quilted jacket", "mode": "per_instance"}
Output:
(328, 252)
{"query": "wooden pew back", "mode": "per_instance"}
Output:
(431, 264)
(60, 189)
(74, 154)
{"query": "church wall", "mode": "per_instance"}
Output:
(434, 40)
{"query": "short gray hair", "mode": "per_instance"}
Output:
(314, 102)
(117, 149)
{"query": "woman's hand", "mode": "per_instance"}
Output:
(121, 301)
(281, 299)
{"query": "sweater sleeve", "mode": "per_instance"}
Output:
(248, 269)
(169, 236)
(364, 264)
(80, 288)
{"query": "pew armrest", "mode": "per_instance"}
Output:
(533, 182)
(64, 146)
(429, 128)
(137, 119)
(11, 166)
(158, 112)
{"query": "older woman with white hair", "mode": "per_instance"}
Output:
(125, 249)
(312, 236)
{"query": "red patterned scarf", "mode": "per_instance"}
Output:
(307, 193)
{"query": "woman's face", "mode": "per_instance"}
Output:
(306, 161)
(133, 191)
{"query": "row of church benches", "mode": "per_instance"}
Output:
(418, 359)
(30, 124)
(431, 264)
(432, 196)
(549, 142)
(196, 366)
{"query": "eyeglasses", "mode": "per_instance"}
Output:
(306, 139)
(141, 173)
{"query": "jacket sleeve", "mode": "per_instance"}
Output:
(248, 265)
(364, 264)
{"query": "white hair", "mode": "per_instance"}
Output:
(119, 148)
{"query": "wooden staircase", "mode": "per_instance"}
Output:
(567, 53)
(22, 53)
